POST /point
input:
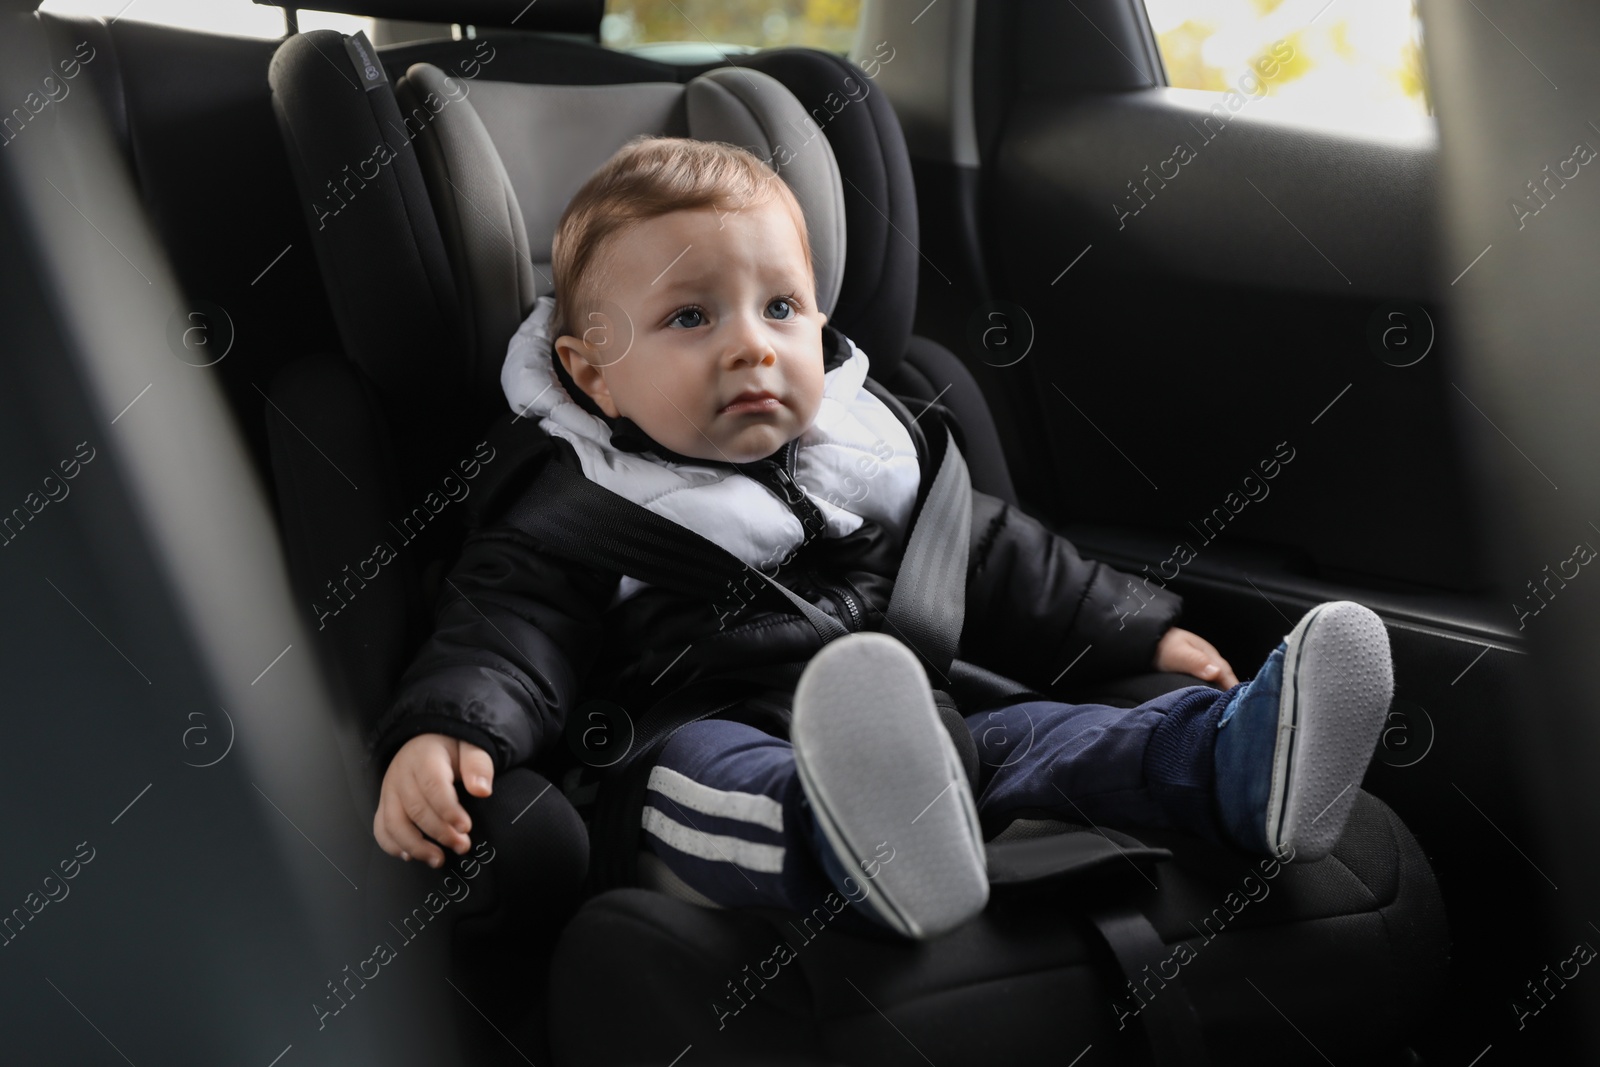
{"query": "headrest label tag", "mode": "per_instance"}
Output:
(365, 59)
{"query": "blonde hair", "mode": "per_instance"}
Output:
(649, 177)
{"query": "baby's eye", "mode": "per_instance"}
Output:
(785, 302)
(689, 311)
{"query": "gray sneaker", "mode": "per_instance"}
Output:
(887, 787)
(1294, 742)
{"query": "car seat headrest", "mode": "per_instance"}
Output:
(432, 200)
(503, 158)
(546, 16)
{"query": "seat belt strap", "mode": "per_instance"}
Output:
(1171, 1027)
(929, 601)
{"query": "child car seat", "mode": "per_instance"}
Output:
(1160, 948)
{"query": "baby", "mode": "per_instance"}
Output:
(684, 364)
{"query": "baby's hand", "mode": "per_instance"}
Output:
(419, 797)
(1189, 653)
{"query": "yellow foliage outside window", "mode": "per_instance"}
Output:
(1354, 60)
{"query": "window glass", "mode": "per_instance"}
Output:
(1341, 61)
(238, 17)
(333, 20)
(825, 24)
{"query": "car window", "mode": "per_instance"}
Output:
(1342, 62)
(825, 24)
(238, 17)
(333, 20)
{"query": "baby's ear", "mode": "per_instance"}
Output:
(574, 357)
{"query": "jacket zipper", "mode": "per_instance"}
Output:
(842, 596)
(811, 522)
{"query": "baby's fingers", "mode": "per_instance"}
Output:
(399, 836)
(1188, 658)
(1225, 677)
(1200, 658)
(477, 770)
(441, 816)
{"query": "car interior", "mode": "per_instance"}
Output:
(259, 291)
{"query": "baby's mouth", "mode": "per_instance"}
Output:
(751, 402)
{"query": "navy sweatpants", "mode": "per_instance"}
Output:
(726, 813)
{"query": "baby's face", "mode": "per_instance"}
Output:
(714, 306)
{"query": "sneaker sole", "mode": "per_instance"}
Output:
(878, 767)
(1338, 680)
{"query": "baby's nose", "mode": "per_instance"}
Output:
(756, 353)
(749, 343)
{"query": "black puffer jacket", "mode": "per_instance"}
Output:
(522, 636)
